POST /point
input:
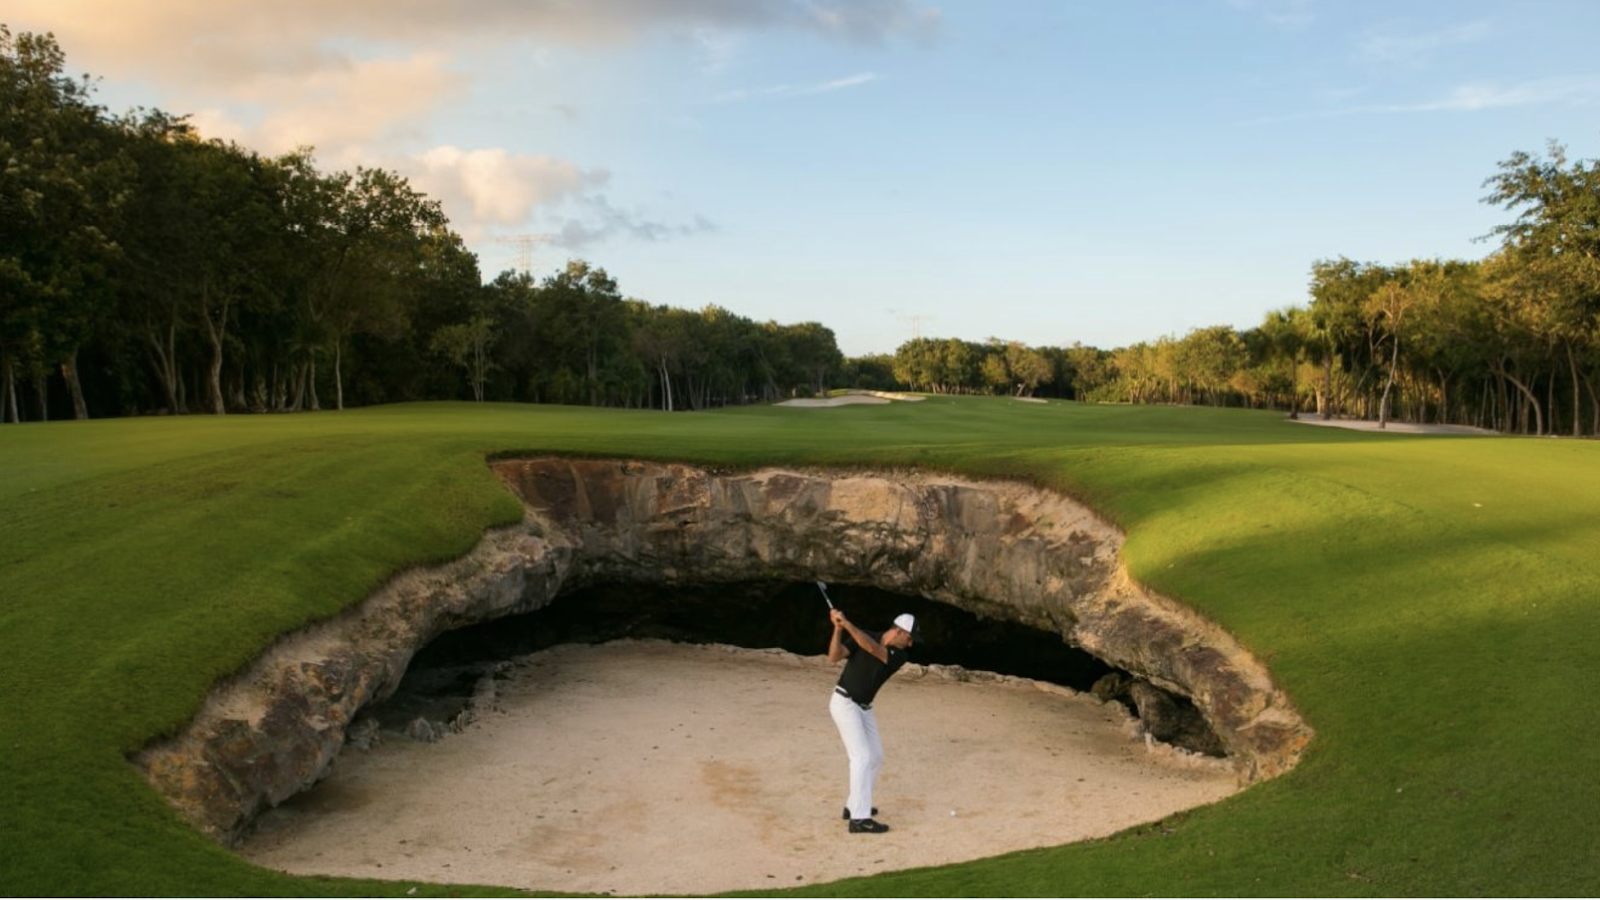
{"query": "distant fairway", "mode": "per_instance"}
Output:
(1431, 604)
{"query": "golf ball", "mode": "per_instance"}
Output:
(952, 812)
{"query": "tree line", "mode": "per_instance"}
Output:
(144, 268)
(1510, 342)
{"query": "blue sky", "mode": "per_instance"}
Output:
(1044, 172)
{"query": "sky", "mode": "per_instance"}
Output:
(1048, 172)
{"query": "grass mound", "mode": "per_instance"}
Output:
(1429, 603)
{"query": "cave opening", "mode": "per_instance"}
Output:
(446, 673)
(761, 614)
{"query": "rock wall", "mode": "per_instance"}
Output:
(1001, 550)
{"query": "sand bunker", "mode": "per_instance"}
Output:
(644, 766)
(852, 398)
(1393, 427)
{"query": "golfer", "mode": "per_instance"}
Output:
(872, 659)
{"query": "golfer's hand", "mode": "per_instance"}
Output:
(839, 621)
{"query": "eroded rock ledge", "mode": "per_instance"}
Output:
(1001, 550)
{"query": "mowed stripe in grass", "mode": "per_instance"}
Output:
(1427, 602)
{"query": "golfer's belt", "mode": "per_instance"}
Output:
(846, 694)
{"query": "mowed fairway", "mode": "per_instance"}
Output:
(1431, 604)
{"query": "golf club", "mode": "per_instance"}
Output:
(823, 587)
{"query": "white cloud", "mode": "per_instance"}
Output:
(345, 112)
(1467, 98)
(352, 105)
(360, 80)
(226, 41)
(493, 187)
(486, 192)
(785, 90)
(1474, 97)
(1417, 49)
(717, 49)
(601, 221)
(1288, 15)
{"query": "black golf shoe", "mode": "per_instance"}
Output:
(867, 826)
(846, 813)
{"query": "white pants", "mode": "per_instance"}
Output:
(859, 730)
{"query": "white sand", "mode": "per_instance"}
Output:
(1394, 427)
(643, 766)
(851, 398)
(841, 400)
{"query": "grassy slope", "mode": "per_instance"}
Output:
(1430, 604)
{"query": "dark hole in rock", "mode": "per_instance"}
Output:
(449, 672)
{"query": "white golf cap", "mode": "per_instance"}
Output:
(905, 622)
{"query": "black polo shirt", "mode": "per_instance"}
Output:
(864, 673)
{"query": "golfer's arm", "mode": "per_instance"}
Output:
(836, 650)
(865, 642)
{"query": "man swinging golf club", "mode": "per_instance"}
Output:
(871, 660)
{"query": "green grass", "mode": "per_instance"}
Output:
(1432, 605)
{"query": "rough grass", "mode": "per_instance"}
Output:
(1431, 604)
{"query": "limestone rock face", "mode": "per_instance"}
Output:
(274, 730)
(997, 549)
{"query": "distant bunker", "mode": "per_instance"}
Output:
(1002, 574)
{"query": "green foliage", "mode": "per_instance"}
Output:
(246, 283)
(63, 181)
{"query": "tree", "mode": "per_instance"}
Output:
(1028, 368)
(1086, 370)
(467, 345)
(160, 237)
(64, 179)
(236, 196)
(1553, 248)
(580, 317)
(996, 376)
(1207, 358)
(658, 338)
(372, 226)
(1285, 334)
(1389, 305)
(872, 372)
(814, 348)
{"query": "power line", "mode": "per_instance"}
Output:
(525, 244)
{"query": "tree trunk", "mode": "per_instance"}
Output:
(237, 385)
(163, 358)
(41, 389)
(1325, 399)
(1550, 401)
(594, 376)
(338, 374)
(1502, 402)
(1528, 395)
(69, 373)
(298, 376)
(311, 382)
(1594, 404)
(1577, 395)
(9, 398)
(1294, 389)
(1383, 403)
(215, 331)
(666, 385)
